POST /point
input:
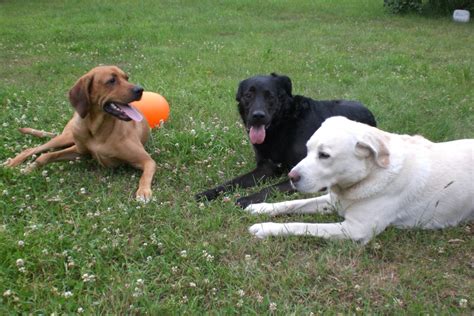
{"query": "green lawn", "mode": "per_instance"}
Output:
(72, 238)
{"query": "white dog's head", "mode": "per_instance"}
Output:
(341, 153)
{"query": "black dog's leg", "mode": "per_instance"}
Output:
(261, 196)
(263, 171)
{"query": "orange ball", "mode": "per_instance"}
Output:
(154, 108)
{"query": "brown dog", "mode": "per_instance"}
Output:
(104, 126)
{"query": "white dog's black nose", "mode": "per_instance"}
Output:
(294, 176)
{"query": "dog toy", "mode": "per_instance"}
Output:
(154, 108)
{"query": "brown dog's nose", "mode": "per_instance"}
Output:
(138, 91)
(294, 176)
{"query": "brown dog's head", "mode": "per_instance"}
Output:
(106, 88)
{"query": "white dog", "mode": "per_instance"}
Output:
(376, 179)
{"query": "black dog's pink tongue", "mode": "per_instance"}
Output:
(257, 134)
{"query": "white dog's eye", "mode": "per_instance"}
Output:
(322, 155)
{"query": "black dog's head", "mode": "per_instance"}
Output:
(262, 100)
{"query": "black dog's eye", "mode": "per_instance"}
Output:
(111, 80)
(323, 155)
(248, 95)
(268, 95)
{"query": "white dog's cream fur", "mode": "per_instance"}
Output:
(376, 179)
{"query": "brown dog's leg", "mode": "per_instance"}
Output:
(144, 187)
(36, 132)
(59, 141)
(69, 153)
(137, 156)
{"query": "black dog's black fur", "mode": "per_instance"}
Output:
(289, 123)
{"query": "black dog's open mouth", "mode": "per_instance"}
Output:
(257, 133)
(124, 112)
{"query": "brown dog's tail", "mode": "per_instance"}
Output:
(35, 132)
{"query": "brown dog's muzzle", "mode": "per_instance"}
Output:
(125, 111)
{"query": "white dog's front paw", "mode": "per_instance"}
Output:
(259, 208)
(263, 230)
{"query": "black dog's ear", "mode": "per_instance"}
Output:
(285, 82)
(240, 90)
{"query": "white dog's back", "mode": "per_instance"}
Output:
(446, 196)
(431, 186)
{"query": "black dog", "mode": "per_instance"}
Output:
(279, 124)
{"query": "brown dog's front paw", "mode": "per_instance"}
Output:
(12, 162)
(7, 162)
(144, 195)
(20, 158)
(29, 168)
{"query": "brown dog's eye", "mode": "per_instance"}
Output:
(111, 80)
(323, 155)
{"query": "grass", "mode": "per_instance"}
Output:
(87, 246)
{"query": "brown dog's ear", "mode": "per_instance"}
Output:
(79, 95)
(374, 144)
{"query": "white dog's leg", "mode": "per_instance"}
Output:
(330, 230)
(319, 204)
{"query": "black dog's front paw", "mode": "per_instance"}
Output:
(245, 201)
(208, 195)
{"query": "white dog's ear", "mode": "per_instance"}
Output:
(374, 144)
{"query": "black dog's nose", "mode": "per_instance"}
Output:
(294, 176)
(258, 115)
(138, 91)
